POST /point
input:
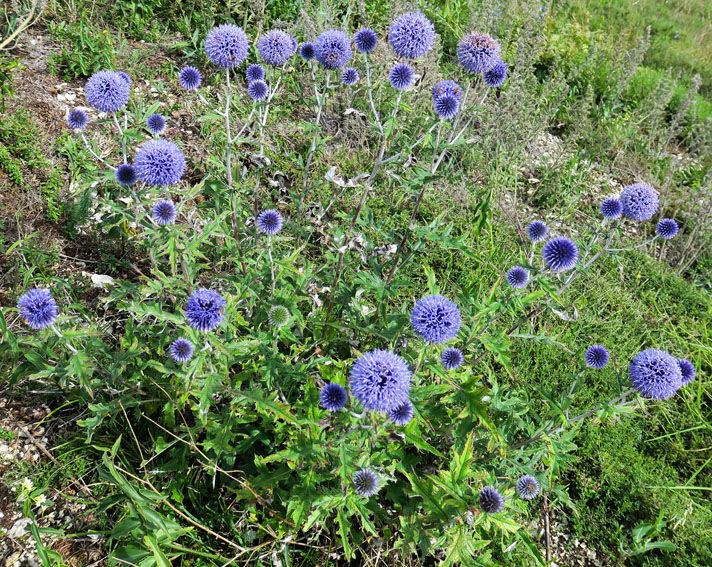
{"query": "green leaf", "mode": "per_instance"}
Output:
(158, 555)
(344, 529)
(531, 547)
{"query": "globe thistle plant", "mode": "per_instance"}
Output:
(611, 208)
(307, 51)
(189, 78)
(269, 222)
(333, 396)
(403, 414)
(560, 254)
(528, 487)
(401, 76)
(478, 52)
(276, 47)
(181, 350)
(126, 77)
(126, 175)
(156, 124)
(365, 40)
(380, 380)
(452, 358)
(255, 72)
(333, 49)
(446, 106)
(655, 374)
(38, 308)
(227, 45)
(160, 162)
(164, 212)
(596, 356)
(447, 87)
(258, 90)
(640, 201)
(77, 119)
(537, 231)
(496, 75)
(278, 316)
(349, 76)
(518, 277)
(436, 319)
(365, 482)
(205, 310)
(411, 35)
(107, 91)
(491, 501)
(687, 370)
(667, 229)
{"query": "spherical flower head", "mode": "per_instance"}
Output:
(528, 487)
(667, 229)
(452, 358)
(411, 35)
(181, 350)
(269, 222)
(517, 277)
(596, 356)
(255, 72)
(307, 51)
(365, 40)
(447, 87)
(77, 119)
(446, 106)
(160, 162)
(537, 231)
(402, 414)
(276, 47)
(380, 380)
(333, 396)
(189, 78)
(126, 175)
(349, 76)
(478, 52)
(560, 254)
(205, 310)
(401, 76)
(156, 124)
(333, 49)
(126, 77)
(496, 75)
(164, 213)
(436, 319)
(365, 482)
(491, 501)
(278, 316)
(611, 208)
(655, 374)
(257, 90)
(640, 201)
(227, 45)
(687, 370)
(38, 308)
(107, 91)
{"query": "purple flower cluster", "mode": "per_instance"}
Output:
(181, 350)
(365, 482)
(333, 49)
(38, 308)
(491, 501)
(446, 106)
(276, 47)
(447, 87)
(518, 277)
(655, 374)
(255, 72)
(126, 175)
(611, 208)
(496, 75)
(528, 487)
(537, 231)
(478, 52)
(269, 222)
(401, 76)
(667, 229)
(156, 124)
(380, 380)
(257, 90)
(77, 119)
(333, 396)
(411, 35)
(227, 45)
(205, 310)
(164, 213)
(560, 254)
(402, 414)
(189, 78)
(365, 40)
(640, 201)
(436, 318)
(160, 162)
(452, 358)
(107, 91)
(307, 51)
(596, 356)
(349, 76)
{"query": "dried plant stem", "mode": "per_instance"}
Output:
(121, 134)
(317, 121)
(96, 156)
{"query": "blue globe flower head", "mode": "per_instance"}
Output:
(276, 47)
(165, 212)
(401, 76)
(333, 396)
(491, 501)
(518, 277)
(537, 231)
(307, 51)
(687, 370)
(227, 45)
(205, 310)
(126, 77)
(333, 49)
(258, 90)
(436, 319)
(655, 374)
(403, 414)
(640, 201)
(189, 78)
(255, 72)
(667, 229)
(478, 52)
(38, 308)
(411, 35)
(496, 75)
(560, 254)
(447, 87)
(365, 482)
(269, 222)
(365, 40)
(181, 350)
(452, 358)
(126, 175)
(107, 91)
(77, 119)
(596, 356)
(156, 124)
(349, 76)
(380, 380)
(611, 208)
(528, 487)
(160, 162)
(446, 106)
